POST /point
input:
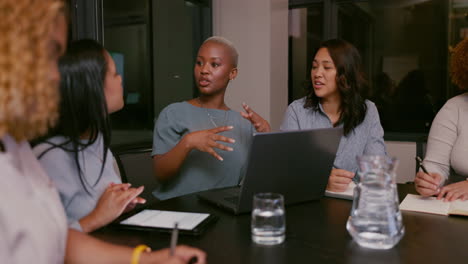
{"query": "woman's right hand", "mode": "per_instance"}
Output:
(182, 255)
(206, 140)
(427, 184)
(110, 205)
(339, 180)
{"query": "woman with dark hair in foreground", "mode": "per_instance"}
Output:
(75, 154)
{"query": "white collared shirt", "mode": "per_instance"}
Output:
(33, 227)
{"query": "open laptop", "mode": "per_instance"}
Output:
(296, 164)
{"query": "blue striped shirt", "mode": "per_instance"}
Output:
(365, 139)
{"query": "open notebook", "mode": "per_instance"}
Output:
(431, 205)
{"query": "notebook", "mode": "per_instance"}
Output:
(431, 205)
(295, 164)
(160, 220)
(348, 194)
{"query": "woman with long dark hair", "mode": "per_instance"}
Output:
(337, 99)
(75, 154)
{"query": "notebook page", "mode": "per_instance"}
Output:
(459, 207)
(165, 219)
(348, 194)
(429, 205)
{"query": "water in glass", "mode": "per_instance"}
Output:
(268, 220)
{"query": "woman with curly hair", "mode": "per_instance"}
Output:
(447, 144)
(336, 99)
(33, 226)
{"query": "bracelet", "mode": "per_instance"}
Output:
(137, 253)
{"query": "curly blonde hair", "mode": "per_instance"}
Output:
(459, 65)
(28, 96)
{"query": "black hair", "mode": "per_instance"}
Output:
(350, 81)
(83, 107)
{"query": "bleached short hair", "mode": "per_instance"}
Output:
(228, 44)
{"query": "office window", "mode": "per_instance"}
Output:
(154, 44)
(405, 49)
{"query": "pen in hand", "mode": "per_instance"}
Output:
(419, 160)
(175, 234)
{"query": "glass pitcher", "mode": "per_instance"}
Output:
(375, 220)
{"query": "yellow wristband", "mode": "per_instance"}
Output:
(137, 253)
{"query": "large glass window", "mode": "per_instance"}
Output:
(154, 44)
(405, 49)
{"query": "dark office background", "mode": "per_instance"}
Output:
(404, 44)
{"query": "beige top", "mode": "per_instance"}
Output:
(33, 226)
(447, 145)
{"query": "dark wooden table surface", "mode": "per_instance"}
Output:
(315, 233)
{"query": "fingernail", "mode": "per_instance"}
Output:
(230, 149)
(232, 141)
(220, 159)
(230, 127)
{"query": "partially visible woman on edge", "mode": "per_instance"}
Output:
(33, 226)
(186, 150)
(336, 99)
(75, 154)
(447, 144)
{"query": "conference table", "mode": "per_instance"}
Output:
(315, 233)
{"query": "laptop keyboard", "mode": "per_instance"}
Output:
(232, 199)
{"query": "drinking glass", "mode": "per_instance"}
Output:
(268, 221)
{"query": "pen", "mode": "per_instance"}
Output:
(175, 233)
(419, 160)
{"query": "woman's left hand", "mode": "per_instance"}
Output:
(260, 124)
(454, 191)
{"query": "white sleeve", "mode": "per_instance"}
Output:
(442, 137)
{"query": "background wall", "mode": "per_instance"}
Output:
(259, 30)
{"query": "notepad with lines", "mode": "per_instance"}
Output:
(431, 205)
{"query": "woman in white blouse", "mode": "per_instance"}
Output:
(447, 146)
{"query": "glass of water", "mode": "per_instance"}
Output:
(268, 220)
